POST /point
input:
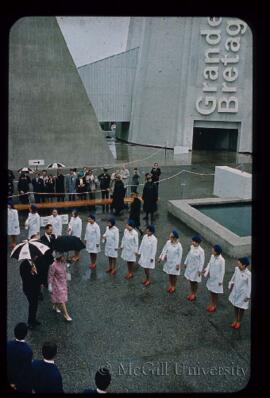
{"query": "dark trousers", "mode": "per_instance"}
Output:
(92, 196)
(151, 216)
(60, 198)
(32, 298)
(71, 197)
(37, 197)
(24, 199)
(105, 195)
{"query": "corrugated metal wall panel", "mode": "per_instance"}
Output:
(109, 84)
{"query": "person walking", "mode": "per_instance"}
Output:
(118, 195)
(43, 262)
(155, 172)
(104, 181)
(75, 229)
(194, 263)
(129, 246)
(92, 240)
(23, 188)
(135, 211)
(240, 290)
(56, 221)
(111, 238)
(46, 376)
(71, 179)
(31, 288)
(172, 255)
(32, 223)
(13, 223)
(135, 181)
(147, 253)
(216, 271)
(57, 285)
(149, 198)
(19, 360)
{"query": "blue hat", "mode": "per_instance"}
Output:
(151, 228)
(244, 260)
(197, 238)
(92, 216)
(10, 202)
(175, 233)
(217, 249)
(112, 220)
(33, 207)
(131, 223)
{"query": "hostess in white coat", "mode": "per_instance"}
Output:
(111, 237)
(194, 264)
(92, 237)
(13, 222)
(75, 225)
(32, 222)
(147, 251)
(240, 284)
(56, 221)
(172, 254)
(216, 271)
(129, 245)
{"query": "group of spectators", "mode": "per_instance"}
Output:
(26, 375)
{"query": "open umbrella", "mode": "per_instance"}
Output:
(67, 243)
(55, 166)
(29, 249)
(26, 170)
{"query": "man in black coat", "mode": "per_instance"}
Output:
(19, 360)
(43, 262)
(38, 186)
(149, 198)
(118, 195)
(46, 375)
(104, 181)
(60, 187)
(155, 172)
(31, 288)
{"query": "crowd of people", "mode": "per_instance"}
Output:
(51, 269)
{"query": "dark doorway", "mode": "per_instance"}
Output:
(215, 139)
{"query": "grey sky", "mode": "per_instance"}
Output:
(90, 39)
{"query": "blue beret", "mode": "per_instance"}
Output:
(175, 233)
(92, 216)
(131, 223)
(244, 260)
(197, 238)
(151, 228)
(217, 249)
(112, 220)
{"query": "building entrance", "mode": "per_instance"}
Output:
(215, 139)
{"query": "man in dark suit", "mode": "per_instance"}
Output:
(31, 288)
(102, 380)
(38, 186)
(46, 375)
(43, 262)
(19, 361)
(104, 181)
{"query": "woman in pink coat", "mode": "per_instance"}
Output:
(57, 284)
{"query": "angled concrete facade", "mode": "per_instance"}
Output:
(191, 72)
(50, 115)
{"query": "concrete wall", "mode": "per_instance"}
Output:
(109, 85)
(173, 89)
(50, 116)
(232, 183)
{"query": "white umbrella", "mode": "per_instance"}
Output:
(28, 249)
(25, 170)
(56, 166)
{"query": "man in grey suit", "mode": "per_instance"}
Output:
(71, 184)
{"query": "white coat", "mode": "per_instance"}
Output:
(147, 250)
(172, 254)
(57, 226)
(75, 224)
(129, 244)
(92, 237)
(13, 222)
(112, 241)
(32, 223)
(241, 282)
(194, 262)
(216, 270)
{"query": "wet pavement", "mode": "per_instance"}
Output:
(152, 341)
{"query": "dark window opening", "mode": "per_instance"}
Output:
(215, 139)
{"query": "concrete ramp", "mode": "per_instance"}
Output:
(50, 116)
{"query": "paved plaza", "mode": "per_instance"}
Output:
(152, 341)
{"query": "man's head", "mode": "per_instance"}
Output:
(20, 331)
(54, 212)
(48, 229)
(49, 350)
(103, 379)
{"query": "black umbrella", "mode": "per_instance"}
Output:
(28, 249)
(66, 243)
